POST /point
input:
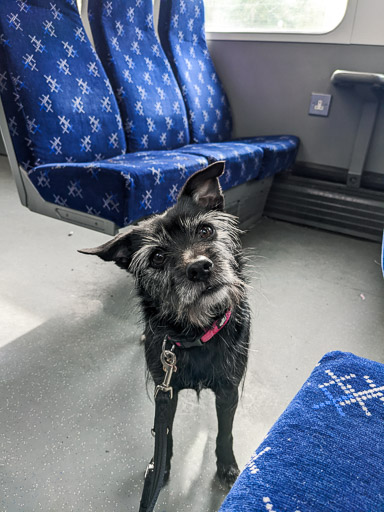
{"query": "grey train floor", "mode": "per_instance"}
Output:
(75, 414)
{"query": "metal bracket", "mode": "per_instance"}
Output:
(375, 83)
(362, 142)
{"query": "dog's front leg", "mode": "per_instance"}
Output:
(226, 404)
(171, 417)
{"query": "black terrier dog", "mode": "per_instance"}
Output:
(188, 267)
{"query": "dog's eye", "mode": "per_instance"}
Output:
(158, 259)
(205, 231)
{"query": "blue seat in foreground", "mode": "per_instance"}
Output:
(325, 452)
(182, 35)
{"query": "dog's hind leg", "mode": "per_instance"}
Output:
(226, 404)
(171, 417)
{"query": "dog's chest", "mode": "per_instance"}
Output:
(220, 362)
(198, 367)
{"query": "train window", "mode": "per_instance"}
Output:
(276, 16)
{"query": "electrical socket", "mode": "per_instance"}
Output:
(320, 104)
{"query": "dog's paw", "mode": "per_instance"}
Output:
(227, 474)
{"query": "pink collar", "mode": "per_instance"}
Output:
(208, 335)
(216, 327)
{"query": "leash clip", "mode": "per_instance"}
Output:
(150, 468)
(168, 360)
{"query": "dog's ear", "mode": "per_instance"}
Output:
(203, 187)
(120, 249)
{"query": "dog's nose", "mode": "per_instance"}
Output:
(200, 269)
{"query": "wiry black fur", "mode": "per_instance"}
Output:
(174, 305)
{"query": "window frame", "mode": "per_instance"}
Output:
(341, 34)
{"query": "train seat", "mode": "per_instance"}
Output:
(152, 107)
(325, 452)
(182, 35)
(62, 126)
(151, 104)
(122, 189)
(56, 96)
(243, 161)
(279, 152)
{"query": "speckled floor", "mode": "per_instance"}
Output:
(75, 415)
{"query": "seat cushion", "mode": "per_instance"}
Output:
(242, 160)
(121, 189)
(326, 451)
(58, 101)
(182, 35)
(149, 97)
(279, 152)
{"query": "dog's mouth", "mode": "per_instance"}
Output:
(212, 289)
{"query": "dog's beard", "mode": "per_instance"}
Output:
(193, 304)
(200, 309)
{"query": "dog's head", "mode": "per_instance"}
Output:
(186, 261)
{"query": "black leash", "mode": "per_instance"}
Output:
(154, 475)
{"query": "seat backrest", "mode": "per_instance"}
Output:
(182, 35)
(149, 97)
(57, 98)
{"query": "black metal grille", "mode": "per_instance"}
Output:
(326, 205)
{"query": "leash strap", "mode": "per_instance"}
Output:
(154, 476)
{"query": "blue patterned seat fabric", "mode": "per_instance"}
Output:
(326, 451)
(58, 101)
(182, 35)
(121, 189)
(123, 32)
(279, 152)
(150, 100)
(242, 161)
(65, 123)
